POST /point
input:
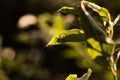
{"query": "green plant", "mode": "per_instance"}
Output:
(84, 77)
(96, 38)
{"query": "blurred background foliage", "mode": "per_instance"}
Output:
(26, 27)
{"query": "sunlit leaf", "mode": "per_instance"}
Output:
(70, 10)
(86, 75)
(58, 24)
(65, 9)
(93, 53)
(72, 77)
(95, 44)
(97, 29)
(74, 35)
(104, 13)
(96, 50)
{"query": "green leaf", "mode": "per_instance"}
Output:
(96, 50)
(86, 75)
(108, 48)
(74, 35)
(95, 44)
(57, 24)
(104, 13)
(93, 53)
(72, 77)
(71, 10)
(65, 9)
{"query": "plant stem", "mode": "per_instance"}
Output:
(113, 67)
(113, 63)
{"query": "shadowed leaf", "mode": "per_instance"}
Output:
(74, 35)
